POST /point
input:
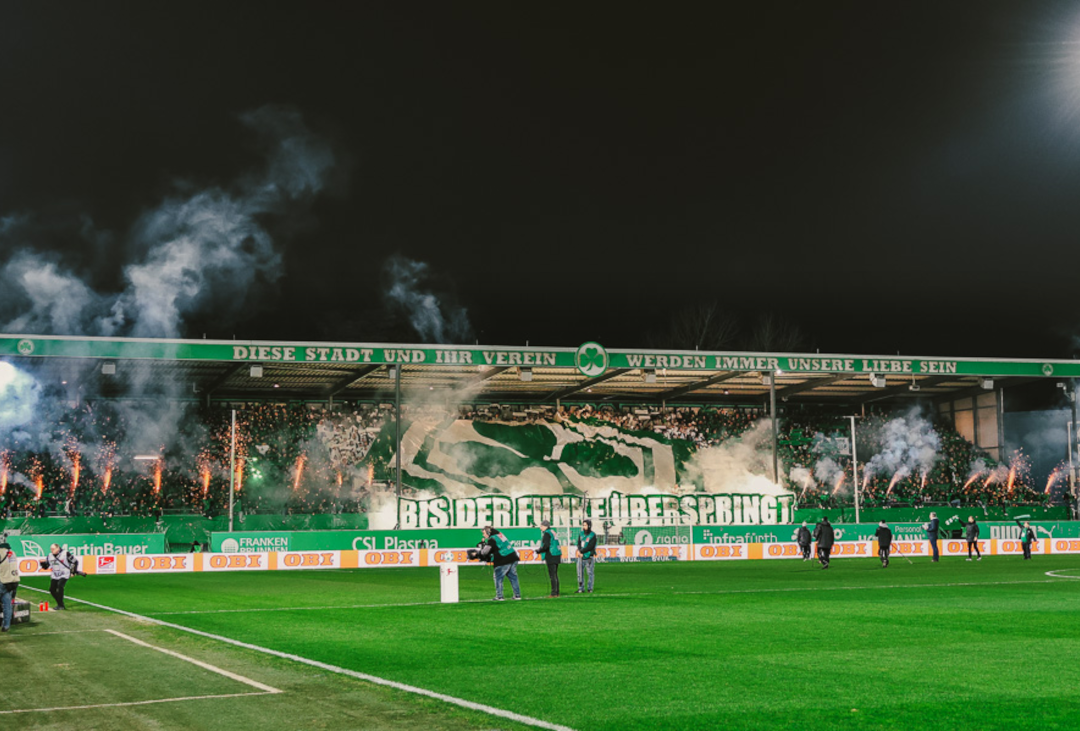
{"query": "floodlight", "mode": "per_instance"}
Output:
(256, 371)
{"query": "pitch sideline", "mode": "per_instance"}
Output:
(490, 710)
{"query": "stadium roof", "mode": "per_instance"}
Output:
(233, 370)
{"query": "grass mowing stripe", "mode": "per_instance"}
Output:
(491, 710)
(199, 663)
(620, 595)
(130, 703)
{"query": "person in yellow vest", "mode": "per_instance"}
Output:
(9, 582)
(551, 553)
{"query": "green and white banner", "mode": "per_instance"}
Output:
(591, 359)
(99, 544)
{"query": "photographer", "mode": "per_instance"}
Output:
(503, 558)
(62, 565)
(9, 582)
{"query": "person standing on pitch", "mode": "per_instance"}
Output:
(802, 537)
(884, 540)
(9, 582)
(551, 553)
(931, 529)
(971, 532)
(1027, 537)
(824, 535)
(504, 560)
(586, 556)
(62, 566)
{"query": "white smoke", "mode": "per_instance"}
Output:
(908, 443)
(198, 253)
(434, 320)
(739, 465)
(19, 394)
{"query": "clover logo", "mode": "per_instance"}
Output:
(591, 359)
(26, 347)
(1047, 369)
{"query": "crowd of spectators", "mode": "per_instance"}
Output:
(309, 458)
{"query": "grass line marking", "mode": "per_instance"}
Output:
(490, 710)
(1056, 575)
(200, 663)
(130, 703)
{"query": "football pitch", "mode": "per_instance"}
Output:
(691, 645)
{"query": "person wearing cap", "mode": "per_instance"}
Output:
(802, 537)
(971, 532)
(62, 564)
(825, 537)
(884, 540)
(586, 556)
(1027, 537)
(504, 560)
(931, 529)
(551, 553)
(9, 582)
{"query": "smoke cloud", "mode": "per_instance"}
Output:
(204, 252)
(908, 443)
(409, 290)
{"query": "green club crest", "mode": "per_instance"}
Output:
(1047, 369)
(591, 359)
(26, 347)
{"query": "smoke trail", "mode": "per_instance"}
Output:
(209, 251)
(408, 290)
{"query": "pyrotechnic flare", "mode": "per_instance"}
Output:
(839, 482)
(157, 475)
(892, 483)
(299, 471)
(370, 474)
(5, 465)
(1054, 476)
(971, 480)
(239, 474)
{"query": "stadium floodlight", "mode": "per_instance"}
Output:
(877, 380)
(256, 371)
(987, 384)
(108, 369)
(525, 374)
(650, 375)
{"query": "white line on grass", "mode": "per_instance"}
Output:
(1056, 575)
(491, 710)
(200, 663)
(130, 703)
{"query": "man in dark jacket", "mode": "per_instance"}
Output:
(823, 534)
(802, 537)
(971, 532)
(551, 553)
(884, 539)
(1027, 537)
(931, 529)
(586, 557)
(503, 558)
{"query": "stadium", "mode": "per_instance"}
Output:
(291, 520)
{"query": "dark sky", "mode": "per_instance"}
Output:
(888, 177)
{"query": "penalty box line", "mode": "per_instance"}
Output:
(490, 710)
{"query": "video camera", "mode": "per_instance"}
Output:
(477, 554)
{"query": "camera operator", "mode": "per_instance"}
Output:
(62, 565)
(9, 582)
(503, 558)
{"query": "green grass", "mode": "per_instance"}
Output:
(733, 645)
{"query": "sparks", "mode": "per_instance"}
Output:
(892, 483)
(1054, 476)
(299, 471)
(4, 466)
(239, 474)
(157, 475)
(839, 482)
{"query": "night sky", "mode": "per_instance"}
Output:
(881, 178)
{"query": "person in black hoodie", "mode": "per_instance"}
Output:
(884, 539)
(824, 535)
(971, 532)
(586, 557)
(802, 537)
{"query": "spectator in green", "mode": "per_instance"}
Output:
(586, 556)
(551, 553)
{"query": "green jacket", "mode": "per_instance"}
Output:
(549, 545)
